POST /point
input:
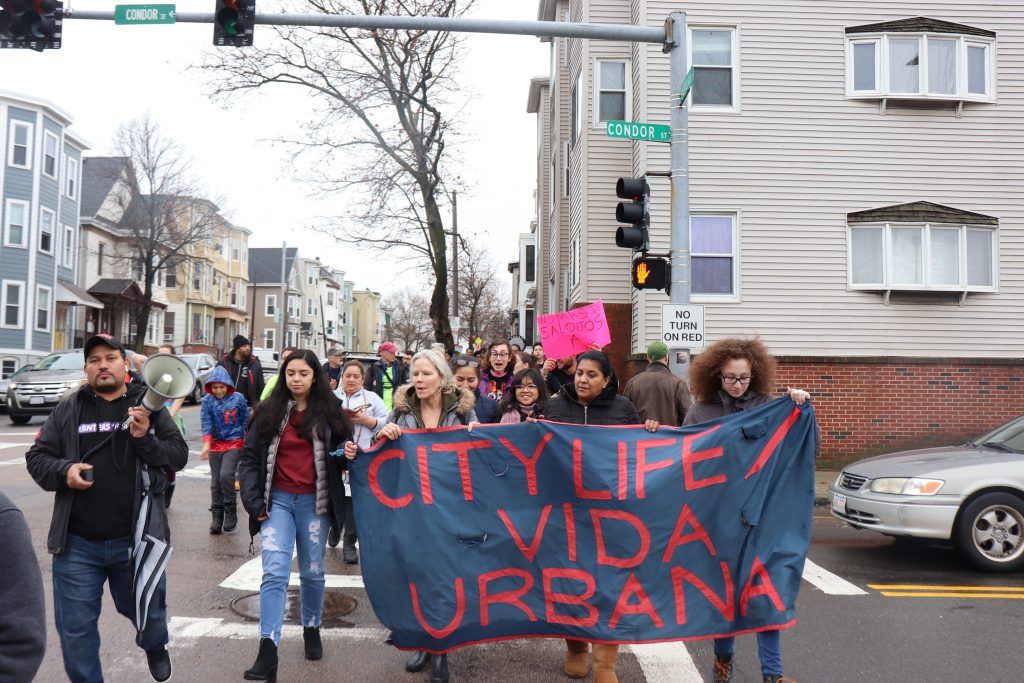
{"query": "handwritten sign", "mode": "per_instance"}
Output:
(608, 534)
(572, 332)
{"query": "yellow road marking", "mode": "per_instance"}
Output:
(988, 589)
(1004, 596)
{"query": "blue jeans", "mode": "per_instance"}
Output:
(769, 650)
(292, 519)
(78, 576)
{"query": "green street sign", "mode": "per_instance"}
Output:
(687, 84)
(132, 15)
(652, 132)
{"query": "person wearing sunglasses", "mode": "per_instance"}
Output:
(526, 399)
(730, 376)
(467, 376)
(496, 375)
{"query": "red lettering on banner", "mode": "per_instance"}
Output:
(773, 443)
(644, 606)
(727, 607)
(642, 468)
(623, 471)
(690, 458)
(421, 459)
(373, 478)
(529, 463)
(462, 448)
(460, 611)
(602, 553)
(538, 534)
(553, 598)
(510, 597)
(577, 475)
(765, 587)
(687, 518)
(570, 530)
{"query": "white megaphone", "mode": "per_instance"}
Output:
(167, 378)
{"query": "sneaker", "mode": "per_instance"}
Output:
(722, 672)
(349, 554)
(777, 678)
(159, 664)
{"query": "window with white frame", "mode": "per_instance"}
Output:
(47, 220)
(713, 56)
(67, 255)
(12, 304)
(16, 224)
(613, 89)
(576, 108)
(294, 305)
(71, 177)
(574, 259)
(42, 317)
(235, 255)
(19, 152)
(714, 255)
(920, 257)
(171, 277)
(330, 298)
(565, 169)
(269, 335)
(928, 66)
(8, 366)
(50, 144)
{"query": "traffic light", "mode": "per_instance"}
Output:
(636, 213)
(33, 24)
(650, 273)
(233, 22)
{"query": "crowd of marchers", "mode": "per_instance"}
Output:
(282, 447)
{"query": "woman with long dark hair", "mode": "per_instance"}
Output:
(525, 399)
(292, 488)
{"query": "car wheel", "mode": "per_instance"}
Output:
(196, 396)
(991, 532)
(20, 419)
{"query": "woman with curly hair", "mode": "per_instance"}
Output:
(730, 376)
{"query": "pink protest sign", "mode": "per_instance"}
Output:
(572, 332)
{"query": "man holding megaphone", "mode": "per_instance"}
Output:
(102, 451)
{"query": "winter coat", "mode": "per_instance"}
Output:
(495, 388)
(375, 376)
(456, 408)
(22, 606)
(607, 409)
(486, 409)
(223, 419)
(723, 404)
(56, 450)
(246, 376)
(659, 395)
(362, 435)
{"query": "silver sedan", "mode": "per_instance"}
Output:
(972, 495)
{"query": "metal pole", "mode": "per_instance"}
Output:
(680, 165)
(282, 308)
(455, 253)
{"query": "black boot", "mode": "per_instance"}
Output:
(218, 520)
(230, 518)
(439, 673)
(311, 639)
(265, 667)
(334, 535)
(168, 494)
(417, 661)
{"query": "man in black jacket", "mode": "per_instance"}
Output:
(22, 605)
(386, 375)
(245, 370)
(91, 452)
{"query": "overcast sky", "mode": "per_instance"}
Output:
(105, 75)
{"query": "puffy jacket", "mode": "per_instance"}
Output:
(723, 404)
(56, 450)
(607, 409)
(223, 419)
(456, 408)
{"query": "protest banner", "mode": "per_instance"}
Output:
(607, 534)
(572, 332)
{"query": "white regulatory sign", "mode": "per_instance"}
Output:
(682, 325)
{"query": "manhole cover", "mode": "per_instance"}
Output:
(336, 606)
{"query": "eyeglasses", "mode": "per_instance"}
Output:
(499, 354)
(471, 362)
(531, 387)
(733, 379)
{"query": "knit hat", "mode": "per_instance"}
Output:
(657, 350)
(387, 346)
(239, 342)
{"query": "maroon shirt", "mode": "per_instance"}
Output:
(294, 469)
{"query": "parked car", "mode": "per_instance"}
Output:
(4, 383)
(44, 385)
(202, 365)
(268, 360)
(972, 495)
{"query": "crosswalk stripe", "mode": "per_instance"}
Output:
(249, 576)
(666, 663)
(924, 594)
(909, 587)
(829, 583)
(15, 461)
(189, 628)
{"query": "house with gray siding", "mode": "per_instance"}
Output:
(40, 191)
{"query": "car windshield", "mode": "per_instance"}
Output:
(1009, 436)
(193, 361)
(60, 361)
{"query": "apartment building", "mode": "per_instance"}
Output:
(367, 321)
(269, 298)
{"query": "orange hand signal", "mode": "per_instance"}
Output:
(642, 273)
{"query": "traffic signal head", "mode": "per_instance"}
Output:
(34, 24)
(233, 22)
(650, 273)
(636, 213)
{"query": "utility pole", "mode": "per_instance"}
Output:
(282, 310)
(455, 254)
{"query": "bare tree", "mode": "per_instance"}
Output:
(483, 302)
(378, 126)
(410, 324)
(161, 215)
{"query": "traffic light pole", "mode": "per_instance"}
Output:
(680, 164)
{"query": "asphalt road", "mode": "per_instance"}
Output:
(870, 610)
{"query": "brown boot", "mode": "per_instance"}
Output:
(604, 663)
(577, 658)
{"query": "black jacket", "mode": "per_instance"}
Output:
(56, 449)
(375, 376)
(247, 376)
(607, 409)
(22, 606)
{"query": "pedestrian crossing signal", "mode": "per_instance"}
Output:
(650, 273)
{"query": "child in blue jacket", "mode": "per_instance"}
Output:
(224, 416)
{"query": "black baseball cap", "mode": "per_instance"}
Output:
(102, 340)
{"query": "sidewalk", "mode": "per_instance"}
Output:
(822, 480)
